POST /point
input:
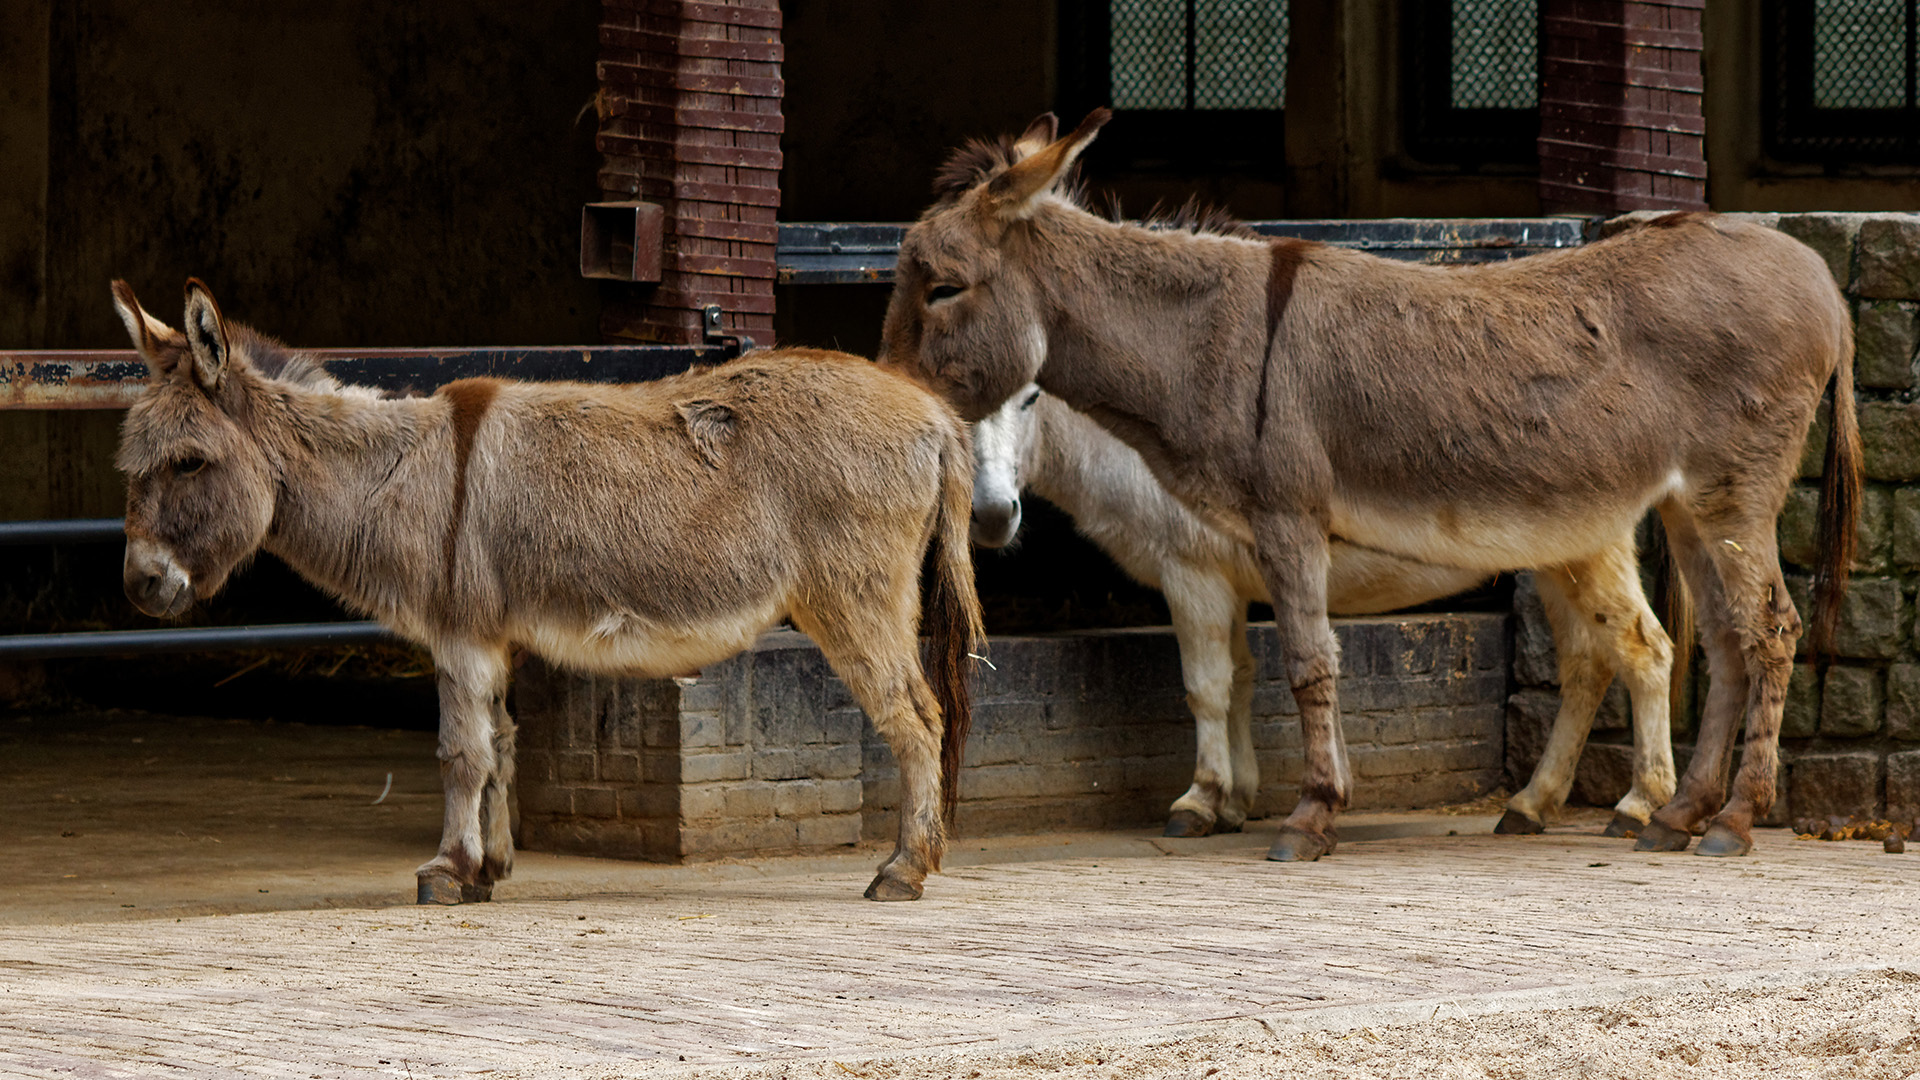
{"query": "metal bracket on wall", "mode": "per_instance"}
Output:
(711, 327)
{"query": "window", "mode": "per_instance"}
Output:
(1840, 80)
(1471, 80)
(1200, 82)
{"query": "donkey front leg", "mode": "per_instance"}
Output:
(476, 770)
(1292, 551)
(1204, 620)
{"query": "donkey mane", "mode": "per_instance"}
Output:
(971, 165)
(980, 159)
(1193, 216)
(274, 359)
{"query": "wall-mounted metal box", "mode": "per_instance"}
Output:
(621, 240)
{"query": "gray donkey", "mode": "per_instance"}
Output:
(644, 530)
(1035, 440)
(1488, 417)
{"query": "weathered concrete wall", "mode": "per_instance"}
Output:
(767, 752)
(1850, 741)
(341, 173)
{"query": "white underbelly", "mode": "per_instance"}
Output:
(621, 643)
(1500, 540)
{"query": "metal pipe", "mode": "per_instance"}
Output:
(190, 639)
(68, 531)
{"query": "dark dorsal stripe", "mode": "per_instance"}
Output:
(470, 399)
(1287, 255)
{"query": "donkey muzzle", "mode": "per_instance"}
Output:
(995, 521)
(154, 582)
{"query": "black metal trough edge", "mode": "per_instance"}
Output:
(62, 531)
(190, 639)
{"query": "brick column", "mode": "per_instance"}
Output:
(690, 97)
(1621, 126)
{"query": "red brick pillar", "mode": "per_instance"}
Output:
(690, 99)
(1621, 126)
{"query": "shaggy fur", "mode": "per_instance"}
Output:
(646, 530)
(1488, 417)
(1036, 441)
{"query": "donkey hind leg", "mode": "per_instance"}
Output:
(1767, 630)
(1703, 788)
(1292, 551)
(476, 848)
(1203, 608)
(1585, 674)
(877, 654)
(1246, 766)
(1602, 624)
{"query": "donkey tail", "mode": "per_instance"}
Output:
(1839, 507)
(952, 616)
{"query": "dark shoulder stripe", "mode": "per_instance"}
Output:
(1287, 254)
(470, 399)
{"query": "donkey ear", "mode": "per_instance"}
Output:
(1042, 131)
(207, 336)
(1012, 194)
(150, 336)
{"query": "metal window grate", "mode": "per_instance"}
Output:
(1471, 80)
(1861, 58)
(1198, 54)
(1496, 54)
(1842, 81)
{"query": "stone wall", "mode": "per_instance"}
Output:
(768, 753)
(1850, 741)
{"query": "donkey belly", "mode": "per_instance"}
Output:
(622, 643)
(1498, 537)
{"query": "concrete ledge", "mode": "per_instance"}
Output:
(767, 753)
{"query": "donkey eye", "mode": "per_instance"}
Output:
(189, 466)
(943, 292)
(1031, 398)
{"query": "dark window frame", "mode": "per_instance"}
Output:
(1155, 140)
(1433, 131)
(1797, 130)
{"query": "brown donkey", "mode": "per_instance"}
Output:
(624, 529)
(1489, 417)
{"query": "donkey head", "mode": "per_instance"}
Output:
(200, 485)
(966, 312)
(1003, 445)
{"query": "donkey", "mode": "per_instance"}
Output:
(624, 529)
(1512, 414)
(1036, 441)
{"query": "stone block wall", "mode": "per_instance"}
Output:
(767, 753)
(1851, 736)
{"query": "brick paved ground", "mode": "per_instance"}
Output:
(762, 966)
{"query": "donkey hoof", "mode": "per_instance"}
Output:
(476, 894)
(1515, 823)
(1658, 837)
(892, 888)
(1186, 823)
(1298, 845)
(1722, 842)
(1624, 826)
(440, 888)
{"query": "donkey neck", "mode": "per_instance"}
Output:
(355, 492)
(1141, 323)
(1128, 310)
(1083, 469)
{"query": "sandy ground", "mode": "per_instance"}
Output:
(1864, 1025)
(267, 934)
